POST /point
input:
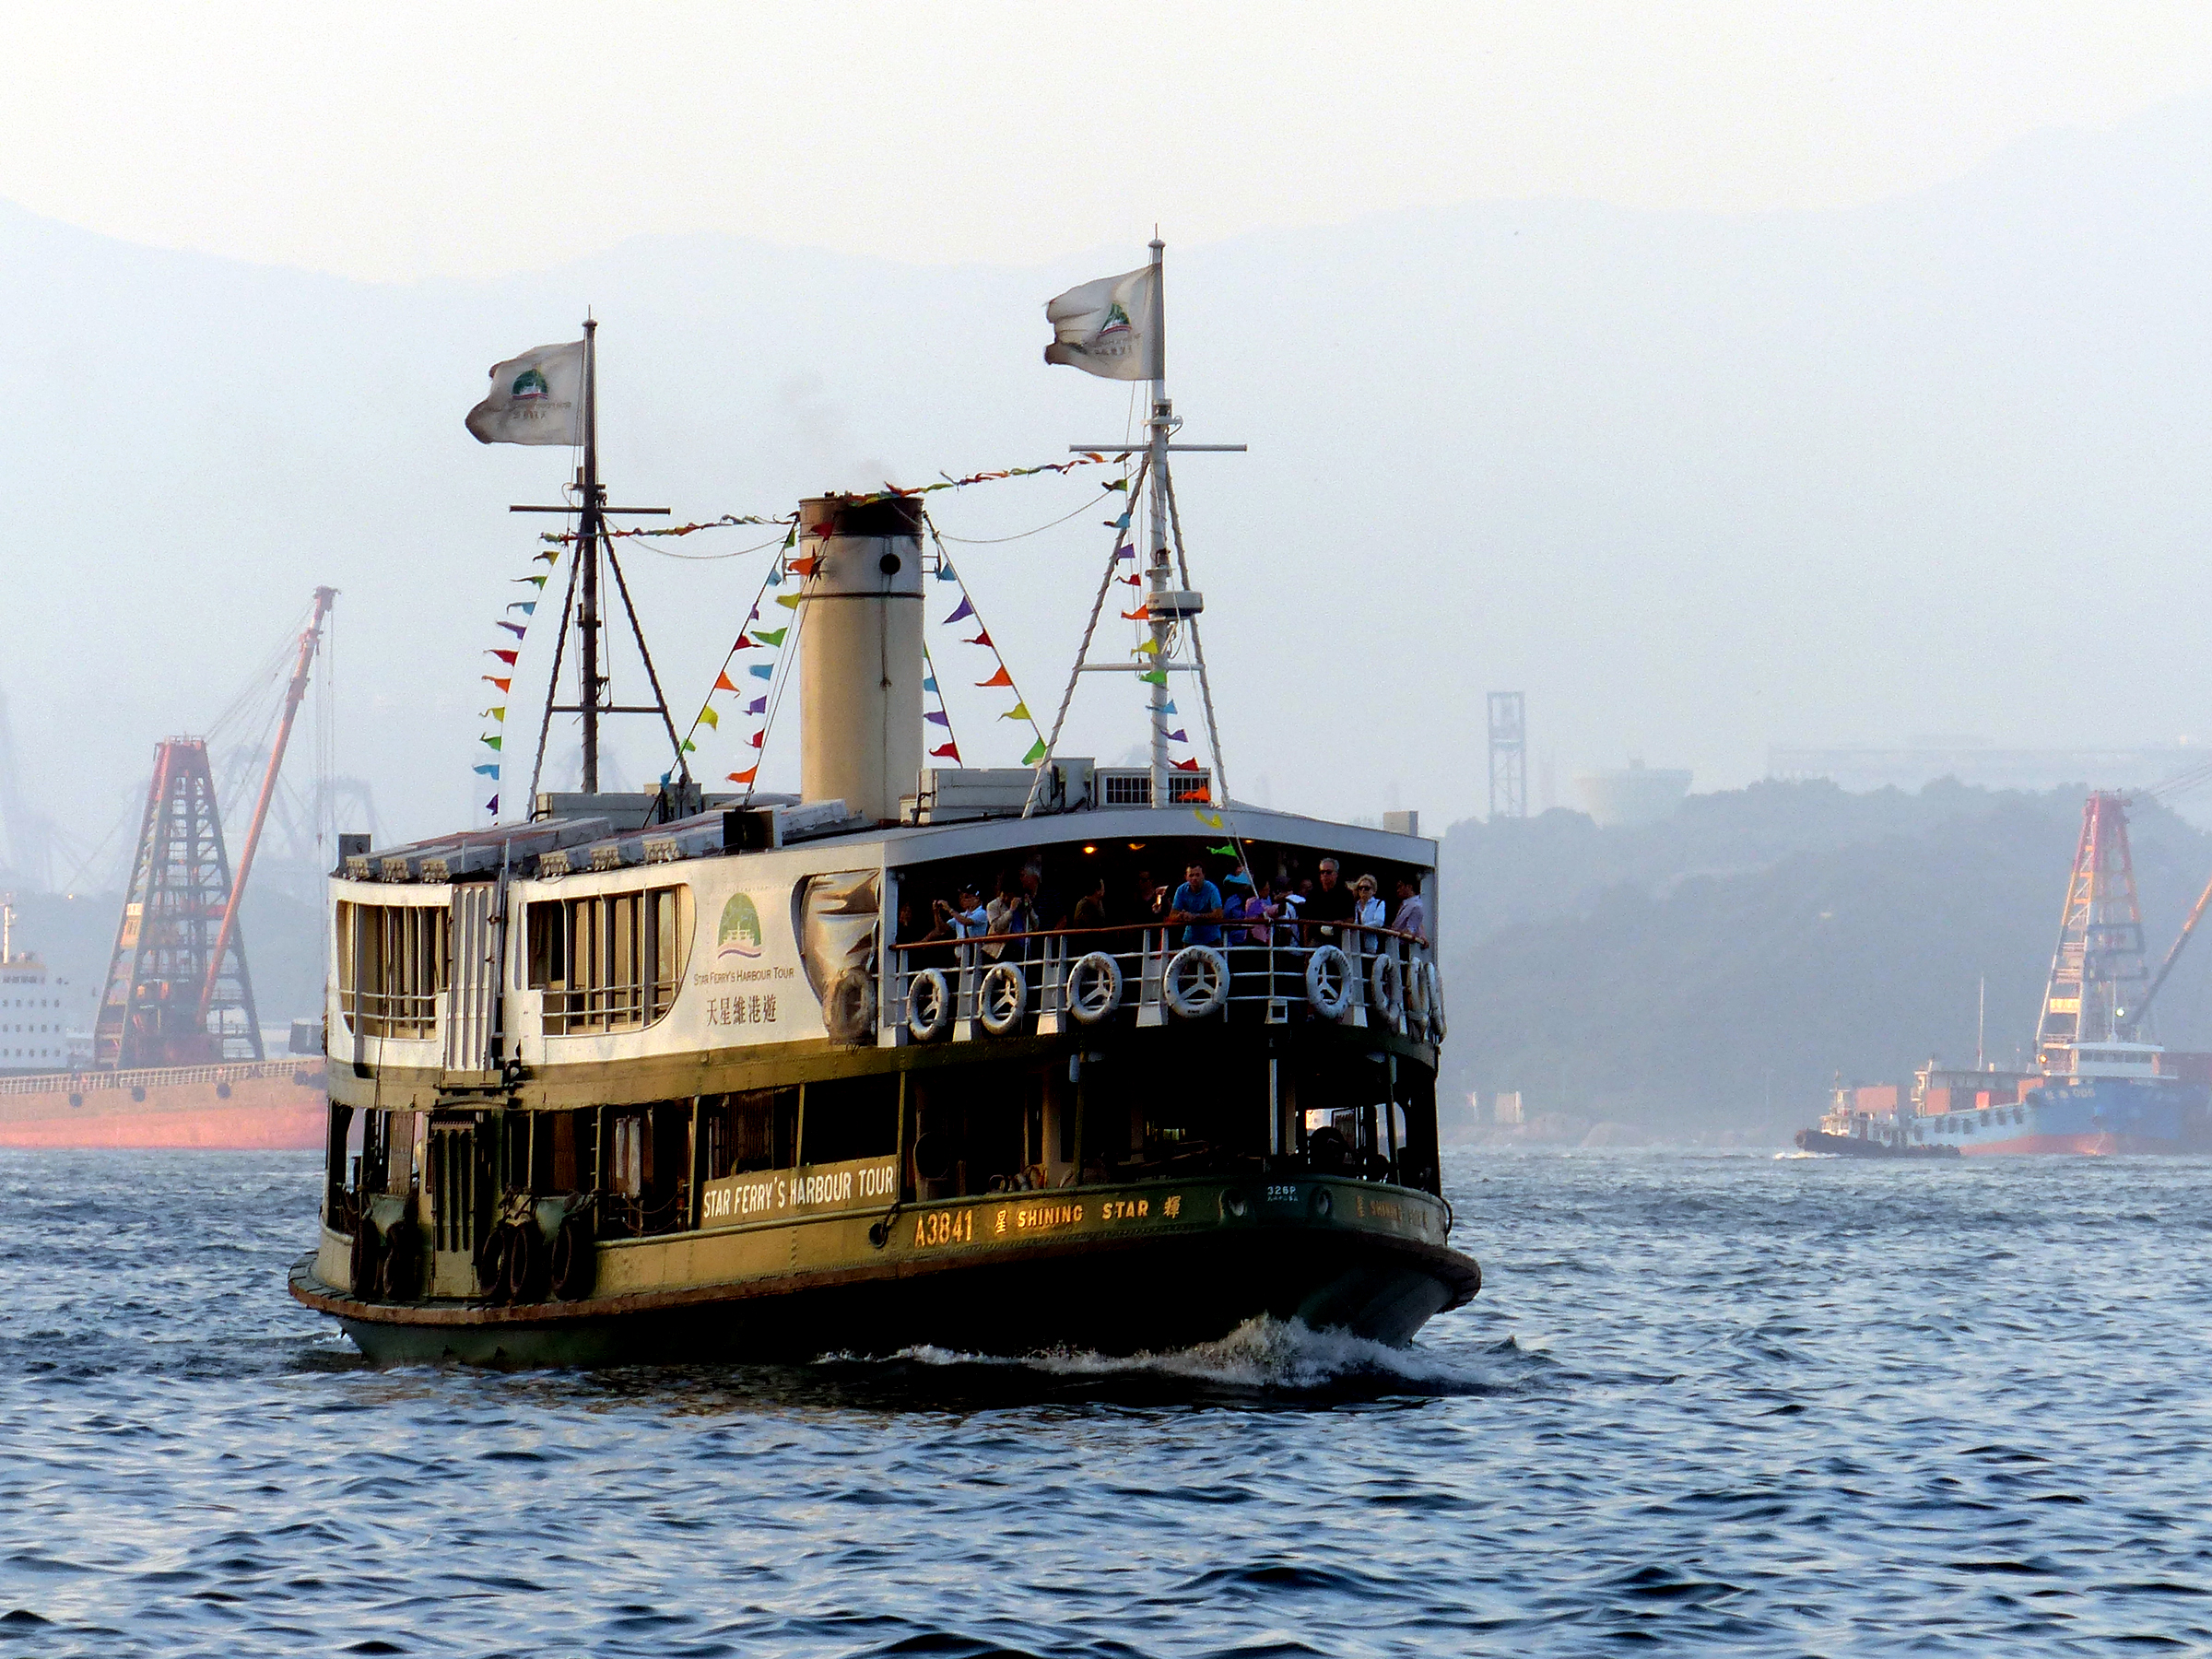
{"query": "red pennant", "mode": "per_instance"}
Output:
(502, 684)
(1191, 765)
(947, 753)
(744, 643)
(745, 777)
(505, 656)
(722, 683)
(981, 639)
(758, 736)
(1001, 679)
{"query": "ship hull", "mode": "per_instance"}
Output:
(1353, 1261)
(256, 1106)
(2092, 1116)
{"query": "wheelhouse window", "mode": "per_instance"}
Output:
(609, 961)
(392, 963)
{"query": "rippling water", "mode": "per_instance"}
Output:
(1708, 1402)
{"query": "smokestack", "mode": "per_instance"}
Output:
(860, 653)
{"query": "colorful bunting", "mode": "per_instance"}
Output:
(1001, 679)
(722, 683)
(1177, 737)
(948, 752)
(707, 717)
(502, 684)
(517, 628)
(505, 656)
(527, 606)
(746, 778)
(490, 770)
(962, 615)
(762, 671)
(982, 637)
(767, 636)
(1020, 710)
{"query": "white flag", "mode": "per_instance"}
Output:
(1110, 327)
(536, 398)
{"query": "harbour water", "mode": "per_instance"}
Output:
(1713, 1402)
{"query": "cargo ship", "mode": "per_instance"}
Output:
(2099, 1086)
(669, 1076)
(176, 1058)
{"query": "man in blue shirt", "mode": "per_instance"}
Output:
(1197, 904)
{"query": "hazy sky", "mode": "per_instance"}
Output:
(397, 141)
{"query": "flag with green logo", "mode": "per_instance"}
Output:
(1110, 327)
(536, 398)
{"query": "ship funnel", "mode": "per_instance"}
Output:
(860, 651)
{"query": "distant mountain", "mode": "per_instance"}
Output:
(1717, 969)
(1696, 483)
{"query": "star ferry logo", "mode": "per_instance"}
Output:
(529, 384)
(1116, 323)
(739, 933)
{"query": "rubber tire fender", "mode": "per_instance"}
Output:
(491, 1264)
(940, 1003)
(1186, 1004)
(575, 1262)
(1000, 1015)
(1326, 961)
(1103, 970)
(526, 1260)
(401, 1273)
(1435, 978)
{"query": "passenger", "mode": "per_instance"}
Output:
(953, 923)
(1368, 901)
(1289, 905)
(1089, 916)
(1260, 912)
(1145, 895)
(1412, 912)
(1043, 906)
(1008, 913)
(1331, 902)
(1197, 906)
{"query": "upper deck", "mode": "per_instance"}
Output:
(575, 959)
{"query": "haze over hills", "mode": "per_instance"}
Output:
(1713, 972)
(1696, 484)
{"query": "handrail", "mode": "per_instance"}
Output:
(162, 1077)
(1347, 924)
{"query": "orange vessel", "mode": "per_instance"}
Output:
(256, 1105)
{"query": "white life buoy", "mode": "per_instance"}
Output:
(1417, 995)
(1001, 998)
(1094, 988)
(1436, 1002)
(928, 1004)
(847, 1011)
(1329, 983)
(1388, 983)
(1196, 982)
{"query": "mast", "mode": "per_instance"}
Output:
(293, 693)
(589, 682)
(1160, 571)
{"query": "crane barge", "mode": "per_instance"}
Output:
(177, 1056)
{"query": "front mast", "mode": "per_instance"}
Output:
(1161, 422)
(589, 680)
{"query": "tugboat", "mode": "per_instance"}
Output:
(673, 1077)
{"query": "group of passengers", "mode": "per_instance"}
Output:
(1241, 910)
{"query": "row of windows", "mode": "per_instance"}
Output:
(605, 962)
(392, 963)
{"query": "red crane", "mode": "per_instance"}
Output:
(308, 635)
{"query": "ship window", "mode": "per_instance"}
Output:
(392, 966)
(609, 961)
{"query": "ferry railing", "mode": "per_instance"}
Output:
(397, 1014)
(86, 1080)
(1384, 981)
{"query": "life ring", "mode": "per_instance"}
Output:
(1094, 988)
(1436, 1001)
(1329, 983)
(928, 1004)
(845, 1010)
(1002, 996)
(575, 1257)
(1388, 982)
(1196, 982)
(491, 1264)
(1417, 995)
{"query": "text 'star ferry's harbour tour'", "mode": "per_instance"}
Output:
(1000, 1060)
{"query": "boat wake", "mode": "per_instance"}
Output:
(1262, 1357)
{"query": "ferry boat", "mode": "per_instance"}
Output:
(673, 1076)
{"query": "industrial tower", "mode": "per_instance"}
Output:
(173, 915)
(1509, 755)
(2097, 971)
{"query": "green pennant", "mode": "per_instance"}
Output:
(1228, 851)
(1156, 677)
(491, 742)
(1037, 752)
(771, 636)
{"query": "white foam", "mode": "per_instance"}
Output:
(1262, 1353)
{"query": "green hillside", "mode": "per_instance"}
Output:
(1714, 972)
